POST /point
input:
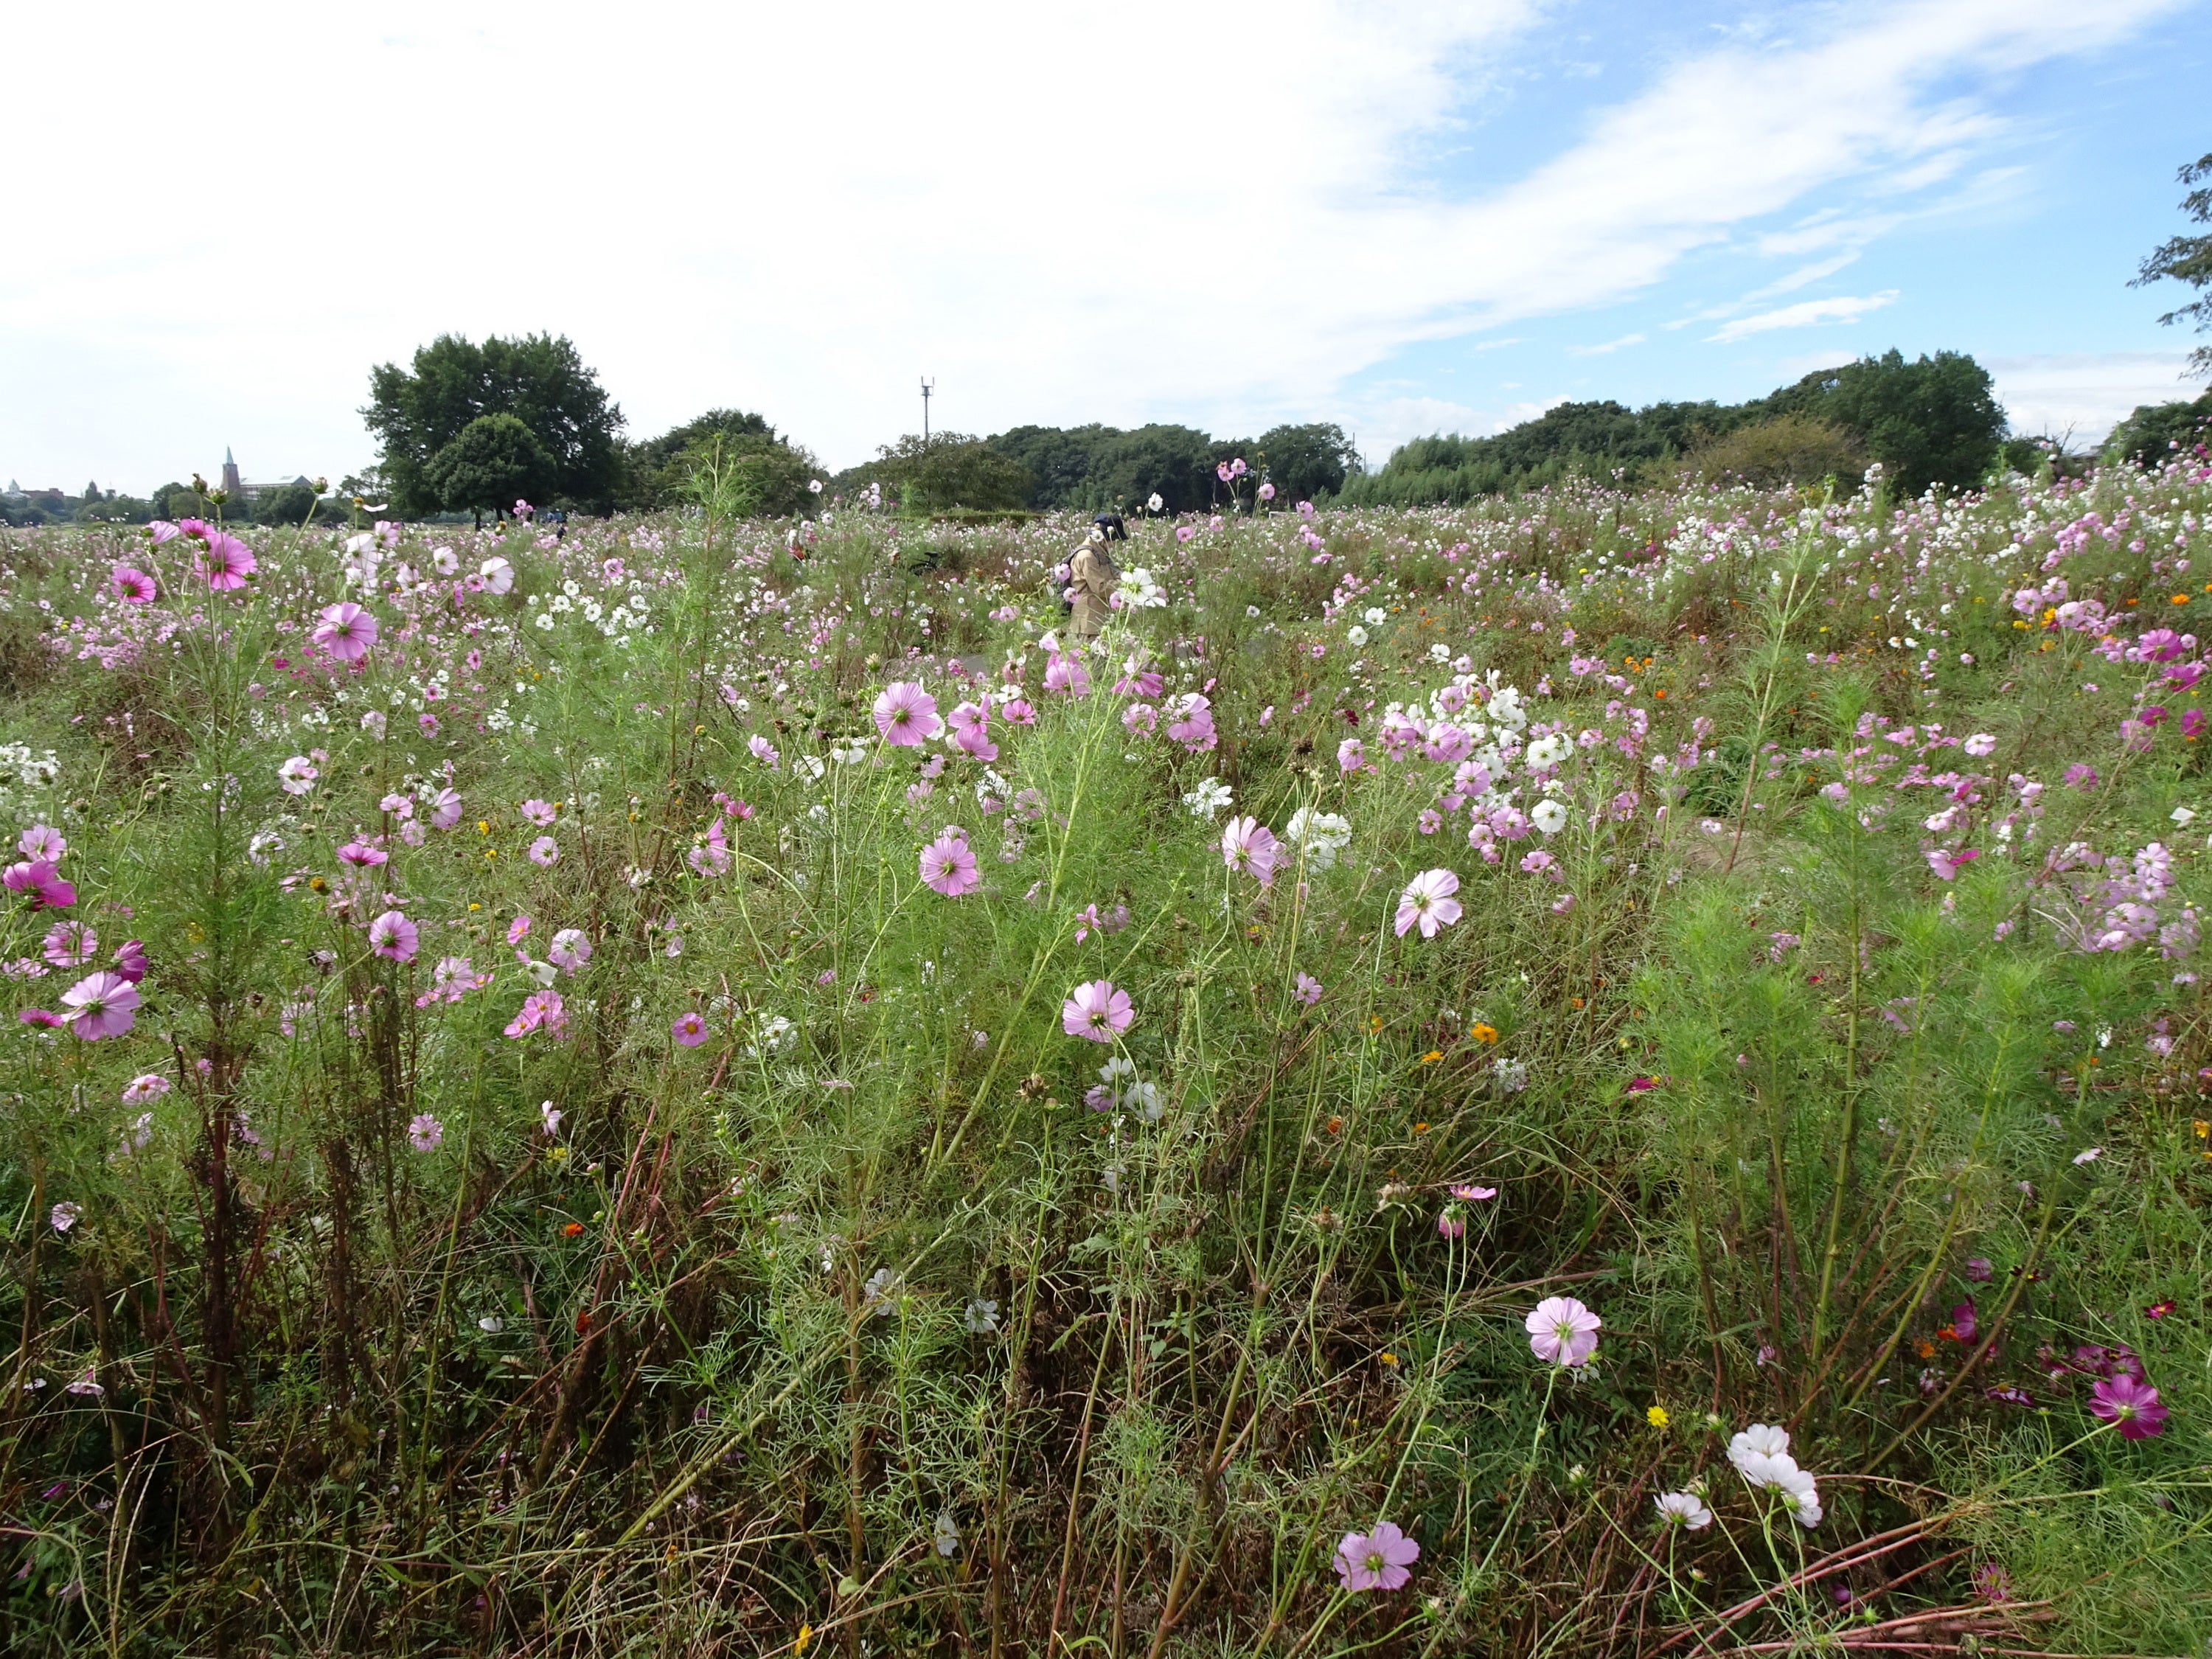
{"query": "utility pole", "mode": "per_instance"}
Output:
(928, 385)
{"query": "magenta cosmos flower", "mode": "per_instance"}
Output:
(1428, 903)
(392, 935)
(1563, 1331)
(948, 866)
(130, 584)
(690, 1030)
(1248, 845)
(346, 631)
(1096, 1009)
(222, 558)
(1381, 1559)
(2130, 1402)
(100, 1006)
(906, 714)
(41, 882)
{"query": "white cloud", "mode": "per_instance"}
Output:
(1803, 314)
(800, 209)
(1609, 346)
(2085, 394)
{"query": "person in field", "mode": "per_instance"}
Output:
(1093, 576)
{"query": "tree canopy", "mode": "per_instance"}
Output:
(2188, 259)
(773, 470)
(537, 379)
(950, 469)
(493, 461)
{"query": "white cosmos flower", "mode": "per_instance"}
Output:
(1356, 634)
(1683, 1509)
(1549, 817)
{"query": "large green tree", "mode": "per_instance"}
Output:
(1934, 420)
(492, 462)
(1303, 462)
(2188, 259)
(775, 473)
(537, 379)
(952, 469)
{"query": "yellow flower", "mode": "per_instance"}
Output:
(1422, 1127)
(1389, 1359)
(1432, 1056)
(1656, 1417)
(2202, 1128)
(1482, 1033)
(1374, 1023)
(483, 826)
(806, 1635)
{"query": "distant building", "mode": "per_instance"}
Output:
(14, 492)
(233, 485)
(246, 489)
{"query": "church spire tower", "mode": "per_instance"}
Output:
(233, 485)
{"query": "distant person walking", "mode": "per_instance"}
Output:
(1093, 576)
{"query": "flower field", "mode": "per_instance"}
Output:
(1596, 1072)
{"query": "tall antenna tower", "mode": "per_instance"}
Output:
(928, 385)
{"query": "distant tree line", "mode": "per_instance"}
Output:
(1103, 468)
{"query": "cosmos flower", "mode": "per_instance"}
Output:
(498, 575)
(1248, 845)
(545, 851)
(1307, 990)
(391, 935)
(223, 560)
(445, 809)
(540, 812)
(346, 631)
(906, 715)
(1685, 1509)
(571, 948)
(689, 1029)
(2130, 1402)
(424, 1132)
(131, 585)
(37, 879)
(1096, 1009)
(1562, 1331)
(1428, 903)
(102, 1005)
(1381, 1559)
(948, 866)
(151, 1085)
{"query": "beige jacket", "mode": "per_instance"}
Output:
(1092, 580)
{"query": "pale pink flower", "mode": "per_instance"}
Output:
(1309, 989)
(425, 1131)
(71, 944)
(690, 1030)
(150, 1085)
(1248, 845)
(298, 775)
(1428, 903)
(906, 714)
(445, 809)
(64, 1216)
(763, 751)
(43, 841)
(1065, 674)
(1381, 1559)
(570, 949)
(101, 1005)
(545, 850)
(517, 929)
(948, 866)
(393, 936)
(1562, 1330)
(346, 631)
(540, 812)
(1096, 1009)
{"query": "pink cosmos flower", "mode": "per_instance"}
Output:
(363, 855)
(391, 935)
(1019, 712)
(906, 714)
(41, 882)
(1065, 675)
(445, 810)
(571, 948)
(425, 1131)
(64, 1216)
(69, 943)
(43, 841)
(541, 1011)
(2128, 1401)
(101, 1005)
(1351, 754)
(131, 585)
(222, 558)
(130, 960)
(545, 851)
(540, 812)
(346, 631)
(517, 929)
(1308, 990)
(1248, 845)
(1428, 901)
(690, 1030)
(1563, 1331)
(1381, 1559)
(948, 866)
(1097, 1010)
(1450, 1225)
(763, 751)
(150, 1085)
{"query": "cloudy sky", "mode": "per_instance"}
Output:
(1408, 217)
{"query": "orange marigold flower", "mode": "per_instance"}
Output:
(1483, 1032)
(574, 1229)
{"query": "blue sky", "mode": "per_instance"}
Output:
(1403, 215)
